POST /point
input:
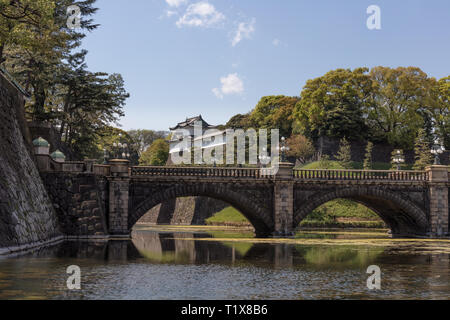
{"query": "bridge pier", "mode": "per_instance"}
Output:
(438, 195)
(284, 201)
(119, 187)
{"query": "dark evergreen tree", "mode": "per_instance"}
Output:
(368, 157)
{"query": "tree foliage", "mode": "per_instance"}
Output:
(21, 19)
(274, 112)
(156, 155)
(41, 52)
(399, 104)
(300, 147)
(384, 105)
(88, 102)
(240, 121)
(422, 147)
(344, 155)
(143, 139)
(333, 105)
(368, 156)
(441, 110)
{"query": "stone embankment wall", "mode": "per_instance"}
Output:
(184, 211)
(80, 201)
(26, 212)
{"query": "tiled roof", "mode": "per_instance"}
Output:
(190, 122)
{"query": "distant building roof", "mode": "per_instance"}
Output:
(190, 123)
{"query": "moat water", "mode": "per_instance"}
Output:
(211, 263)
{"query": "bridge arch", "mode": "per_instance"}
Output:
(259, 217)
(401, 215)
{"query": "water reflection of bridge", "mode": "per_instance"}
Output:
(179, 248)
(406, 275)
(190, 248)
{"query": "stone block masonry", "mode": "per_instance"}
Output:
(439, 200)
(284, 207)
(26, 213)
(79, 200)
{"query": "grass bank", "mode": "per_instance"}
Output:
(340, 213)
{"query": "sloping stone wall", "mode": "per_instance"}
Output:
(26, 213)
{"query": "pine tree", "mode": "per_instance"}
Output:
(368, 157)
(423, 156)
(344, 155)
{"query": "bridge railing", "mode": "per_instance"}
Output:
(103, 170)
(254, 173)
(323, 174)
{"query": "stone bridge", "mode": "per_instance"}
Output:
(99, 200)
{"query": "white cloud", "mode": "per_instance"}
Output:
(170, 13)
(231, 84)
(244, 31)
(276, 42)
(217, 93)
(200, 14)
(175, 3)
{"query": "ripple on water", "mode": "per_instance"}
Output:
(191, 264)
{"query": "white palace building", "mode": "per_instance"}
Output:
(210, 136)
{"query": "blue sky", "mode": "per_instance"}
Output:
(181, 58)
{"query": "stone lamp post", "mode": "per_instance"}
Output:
(399, 159)
(119, 150)
(58, 156)
(283, 150)
(41, 146)
(437, 149)
(41, 152)
(264, 159)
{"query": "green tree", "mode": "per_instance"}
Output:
(368, 156)
(333, 105)
(156, 155)
(399, 100)
(440, 112)
(40, 60)
(344, 155)
(387, 105)
(20, 18)
(239, 121)
(423, 156)
(275, 112)
(88, 102)
(144, 138)
(300, 147)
